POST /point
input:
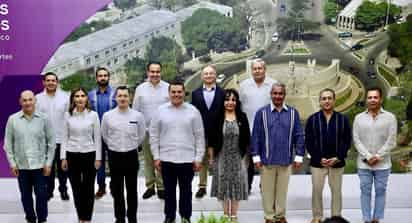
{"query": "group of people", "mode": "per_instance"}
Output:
(228, 132)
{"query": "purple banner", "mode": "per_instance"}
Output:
(30, 32)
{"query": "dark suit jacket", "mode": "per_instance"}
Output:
(209, 116)
(244, 135)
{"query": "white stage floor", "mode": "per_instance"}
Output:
(398, 205)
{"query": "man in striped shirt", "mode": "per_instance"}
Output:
(277, 135)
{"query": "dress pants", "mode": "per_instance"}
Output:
(123, 170)
(203, 174)
(82, 174)
(101, 172)
(174, 173)
(29, 180)
(335, 183)
(61, 174)
(275, 182)
(152, 176)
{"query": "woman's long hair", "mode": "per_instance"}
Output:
(73, 105)
(238, 109)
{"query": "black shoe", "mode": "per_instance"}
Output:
(149, 193)
(64, 196)
(200, 193)
(120, 221)
(168, 220)
(161, 194)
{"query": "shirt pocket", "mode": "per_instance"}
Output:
(132, 128)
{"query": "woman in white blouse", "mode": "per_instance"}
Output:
(81, 152)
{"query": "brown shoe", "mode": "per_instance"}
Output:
(268, 221)
(281, 220)
(100, 193)
(375, 221)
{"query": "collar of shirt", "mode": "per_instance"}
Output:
(213, 88)
(85, 111)
(21, 114)
(170, 105)
(273, 107)
(122, 112)
(266, 81)
(381, 111)
(107, 91)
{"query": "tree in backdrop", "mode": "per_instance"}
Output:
(400, 44)
(295, 23)
(124, 4)
(331, 10)
(85, 79)
(162, 49)
(207, 29)
(136, 71)
(87, 28)
(371, 15)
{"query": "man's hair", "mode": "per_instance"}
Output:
(211, 66)
(335, 219)
(123, 87)
(176, 82)
(279, 84)
(102, 68)
(375, 88)
(327, 90)
(151, 63)
(258, 60)
(50, 74)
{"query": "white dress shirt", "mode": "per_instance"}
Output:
(123, 131)
(253, 97)
(81, 133)
(374, 136)
(148, 98)
(177, 135)
(54, 107)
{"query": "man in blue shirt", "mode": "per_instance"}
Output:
(102, 100)
(277, 135)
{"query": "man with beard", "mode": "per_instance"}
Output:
(102, 100)
(328, 139)
(374, 136)
(54, 103)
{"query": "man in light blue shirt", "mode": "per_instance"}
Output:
(30, 146)
(102, 100)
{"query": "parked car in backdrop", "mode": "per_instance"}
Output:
(344, 34)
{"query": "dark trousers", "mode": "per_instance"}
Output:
(61, 174)
(250, 172)
(29, 180)
(172, 174)
(82, 174)
(123, 170)
(101, 172)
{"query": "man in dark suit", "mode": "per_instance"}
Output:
(208, 99)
